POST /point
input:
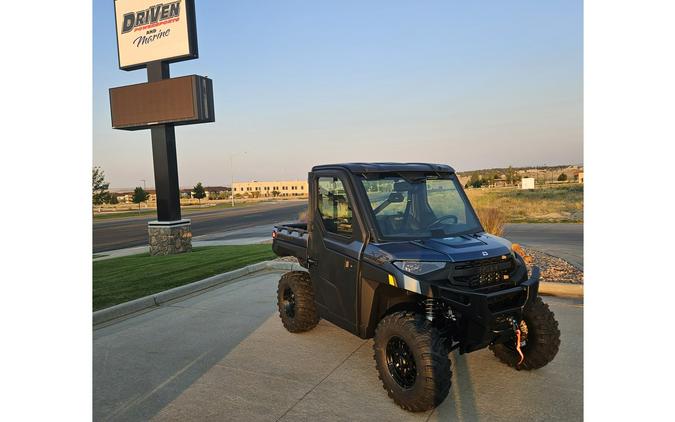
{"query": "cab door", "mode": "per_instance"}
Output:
(335, 243)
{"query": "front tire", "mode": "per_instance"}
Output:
(543, 339)
(412, 361)
(295, 300)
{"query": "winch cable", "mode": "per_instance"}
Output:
(516, 328)
(520, 352)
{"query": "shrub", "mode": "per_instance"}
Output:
(492, 220)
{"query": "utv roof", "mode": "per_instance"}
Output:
(360, 168)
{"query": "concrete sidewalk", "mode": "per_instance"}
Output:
(224, 355)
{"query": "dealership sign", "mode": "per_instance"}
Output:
(151, 30)
(182, 101)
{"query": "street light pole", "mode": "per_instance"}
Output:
(232, 177)
(232, 180)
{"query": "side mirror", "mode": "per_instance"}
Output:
(395, 197)
(401, 187)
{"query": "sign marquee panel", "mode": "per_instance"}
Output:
(151, 30)
(181, 101)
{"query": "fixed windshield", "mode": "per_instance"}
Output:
(419, 206)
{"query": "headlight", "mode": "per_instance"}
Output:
(419, 267)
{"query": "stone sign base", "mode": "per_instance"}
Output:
(169, 237)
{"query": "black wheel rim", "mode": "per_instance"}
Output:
(289, 302)
(401, 362)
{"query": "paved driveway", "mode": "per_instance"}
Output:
(224, 355)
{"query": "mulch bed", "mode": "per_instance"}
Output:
(287, 259)
(555, 269)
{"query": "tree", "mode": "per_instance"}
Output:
(562, 177)
(99, 187)
(510, 175)
(198, 192)
(139, 196)
(477, 181)
(275, 193)
(112, 199)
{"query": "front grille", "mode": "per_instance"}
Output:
(482, 272)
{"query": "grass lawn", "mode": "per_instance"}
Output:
(122, 279)
(551, 204)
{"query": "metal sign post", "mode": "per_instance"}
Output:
(152, 35)
(164, 157)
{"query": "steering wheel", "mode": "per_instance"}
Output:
(445, 217)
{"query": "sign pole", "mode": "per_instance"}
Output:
(166, 172)
(164, 158)
(169, 234)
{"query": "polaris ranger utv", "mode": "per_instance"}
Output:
(396, 252)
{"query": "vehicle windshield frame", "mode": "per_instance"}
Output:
(478, 228)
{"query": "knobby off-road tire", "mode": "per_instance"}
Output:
(295, 300)
(543, 339)
(427, 383)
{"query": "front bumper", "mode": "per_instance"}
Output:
(484, 314)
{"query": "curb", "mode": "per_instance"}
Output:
(151, 301)
(561, 289)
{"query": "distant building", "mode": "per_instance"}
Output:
(527, 183)
(265, 189)
(580, 177)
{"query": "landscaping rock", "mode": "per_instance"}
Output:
(554, 269)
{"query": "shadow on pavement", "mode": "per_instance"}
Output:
(141, 364)
(224, 355)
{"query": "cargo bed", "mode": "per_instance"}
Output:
(291, 240)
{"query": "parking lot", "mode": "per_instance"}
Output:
(224, 355)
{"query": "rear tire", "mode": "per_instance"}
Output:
(412, 361)
(295, 300)
(543, 339)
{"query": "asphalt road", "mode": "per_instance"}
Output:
(129, 232)
(224, 355)
(565, 241)
(253, 221)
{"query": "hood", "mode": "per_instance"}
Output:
(454, 249)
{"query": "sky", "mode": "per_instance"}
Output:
(301, 83)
